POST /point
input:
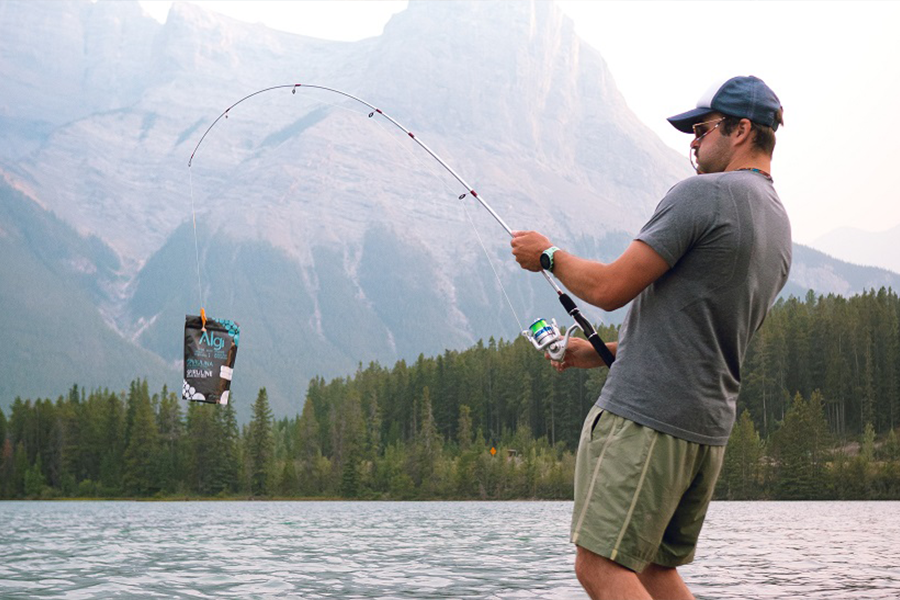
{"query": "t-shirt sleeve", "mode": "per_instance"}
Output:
(681, 219)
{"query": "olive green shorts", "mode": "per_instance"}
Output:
(640, 495)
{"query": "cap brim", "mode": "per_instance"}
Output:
(685, 121)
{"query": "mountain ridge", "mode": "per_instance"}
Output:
(864, 248)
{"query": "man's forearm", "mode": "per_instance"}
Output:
(588, 280)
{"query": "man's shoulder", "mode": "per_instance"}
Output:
(709, 185)
(705, 184)
(692, 193)
(702, 181)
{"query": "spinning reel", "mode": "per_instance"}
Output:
(547, 338)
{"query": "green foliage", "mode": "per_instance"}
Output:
(142, 462)
(260, 446)
(800, 447)
(2, 427)
(741, 472)
(819, 418)
(848, 348)
(228, 466)
(170, 426)
(7, 469)
(289, 483)
(34, 479)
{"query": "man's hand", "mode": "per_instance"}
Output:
(579, 354)
(527, 247)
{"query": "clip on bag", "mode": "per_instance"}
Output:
(209, 354)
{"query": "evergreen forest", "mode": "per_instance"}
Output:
(818, 418)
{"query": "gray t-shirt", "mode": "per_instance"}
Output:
(727, 240)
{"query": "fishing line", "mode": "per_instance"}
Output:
(197, 249)
(491, 263)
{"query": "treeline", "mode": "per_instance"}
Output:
(382, 433)
(848, 349)
(819, 413)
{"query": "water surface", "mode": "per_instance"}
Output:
(507, 550)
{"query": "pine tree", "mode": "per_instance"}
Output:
(70, 441)
(56, 444)
(203, 447)
(2, 427)
(891, 451)
(229, 463)
(20, 467)
(350, 476)
(289, 484)
(306, 433)
(800, 448)
(34, 479)
(865, 466)
(740, 472)
(170, 425)
(464, 428)
(142, 453)
(7, 469)
(109, 442)
(260, 446)
(427, 446)
(867, 404)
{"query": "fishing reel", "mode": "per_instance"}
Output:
(547, 338)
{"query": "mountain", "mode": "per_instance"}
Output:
(879, 248)
(55, 283)
(815, 270)
(328, 235)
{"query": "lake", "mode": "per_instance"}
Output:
(81, 550)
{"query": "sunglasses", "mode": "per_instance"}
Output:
(700, 130)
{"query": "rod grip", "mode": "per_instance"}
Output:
(592, 335)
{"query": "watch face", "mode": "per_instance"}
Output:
(545, 261)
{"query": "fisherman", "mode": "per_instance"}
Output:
(702, 274)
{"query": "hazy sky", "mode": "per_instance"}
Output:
(834, 65)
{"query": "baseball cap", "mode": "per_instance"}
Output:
(742, 97)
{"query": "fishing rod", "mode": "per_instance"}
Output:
(544, 336)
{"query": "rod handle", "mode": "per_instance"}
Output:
(592, 335)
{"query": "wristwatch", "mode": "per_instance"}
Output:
(547, 258)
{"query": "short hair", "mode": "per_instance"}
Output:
(764, 140)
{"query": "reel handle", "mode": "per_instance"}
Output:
(561, 347)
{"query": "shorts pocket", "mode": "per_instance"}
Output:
(594, 431)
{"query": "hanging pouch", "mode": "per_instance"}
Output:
(209, 355)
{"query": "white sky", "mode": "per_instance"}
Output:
(834, 65)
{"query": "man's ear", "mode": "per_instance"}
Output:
(744, 131)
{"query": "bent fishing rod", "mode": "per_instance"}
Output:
(545, 337)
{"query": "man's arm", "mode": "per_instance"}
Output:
(608, 286)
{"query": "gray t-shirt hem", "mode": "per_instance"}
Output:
(667, 428)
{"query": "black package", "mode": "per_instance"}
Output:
(209, 355)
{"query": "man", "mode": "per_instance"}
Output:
(703, 272)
